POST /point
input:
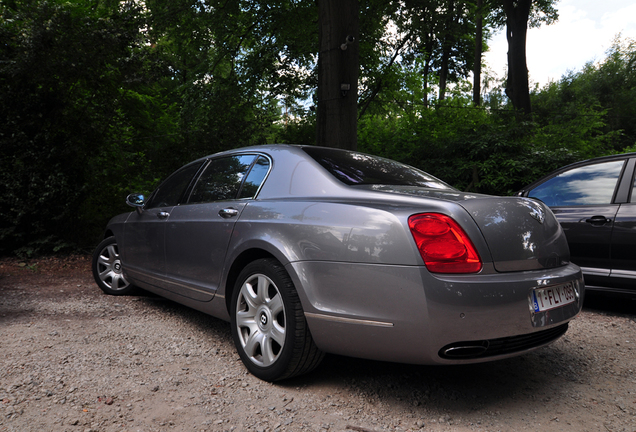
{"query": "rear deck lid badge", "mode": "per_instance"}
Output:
(537, 212)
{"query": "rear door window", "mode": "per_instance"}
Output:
(222, 179)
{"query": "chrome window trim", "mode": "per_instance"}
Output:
(628, 274)
(595, 271)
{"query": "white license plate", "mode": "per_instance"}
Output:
(552, 297)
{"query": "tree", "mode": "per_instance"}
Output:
(597, 101)
(434, 37)
(338, 72)
(456, 43)
(518, 15)
(517, 87)
(68, 76)
(613, 83)
(479, 35)
(231, 65)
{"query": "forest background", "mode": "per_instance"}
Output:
(102, 98)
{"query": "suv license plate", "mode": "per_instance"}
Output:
(544, 299)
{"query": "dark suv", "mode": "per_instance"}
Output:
(595, 203)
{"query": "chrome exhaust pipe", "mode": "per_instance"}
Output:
(465, 350)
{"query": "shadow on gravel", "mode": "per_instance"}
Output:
(530, 380)
(611, 304)
(525, 384)
(551, 373)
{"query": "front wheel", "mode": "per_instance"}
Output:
(268, 324)
(107, 269)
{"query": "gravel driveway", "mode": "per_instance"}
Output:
(74, 359)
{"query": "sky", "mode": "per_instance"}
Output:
(584, 32)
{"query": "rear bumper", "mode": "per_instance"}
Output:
(405, 314)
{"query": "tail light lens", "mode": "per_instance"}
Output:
(443, 244)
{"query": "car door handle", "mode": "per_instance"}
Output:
(163, 215)
(228, 213)
(598, 220)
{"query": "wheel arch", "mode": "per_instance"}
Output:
(242, 260)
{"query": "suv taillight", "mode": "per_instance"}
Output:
(443, 244)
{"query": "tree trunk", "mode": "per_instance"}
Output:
(479, 36)
(426, 74)
(447, 43)
(517, 88)
(443, 74)
(338, 71)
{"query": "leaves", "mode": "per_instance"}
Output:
(100, 99)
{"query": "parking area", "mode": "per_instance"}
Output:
(74, 359)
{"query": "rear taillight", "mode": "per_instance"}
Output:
(443, 244)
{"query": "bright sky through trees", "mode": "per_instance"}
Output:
(584, 32)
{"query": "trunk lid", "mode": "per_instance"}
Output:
(521, 233)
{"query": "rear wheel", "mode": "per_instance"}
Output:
(268, 323)
(108, 271)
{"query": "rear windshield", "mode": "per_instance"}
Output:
(361, 169)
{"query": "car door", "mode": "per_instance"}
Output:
(584, 200)
(144, 231)
(623, 273)
(198, 232)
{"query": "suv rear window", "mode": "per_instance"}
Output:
(354, 168)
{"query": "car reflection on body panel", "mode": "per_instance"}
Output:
(595, 203)
(309, 250)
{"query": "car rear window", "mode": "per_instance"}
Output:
(354, 168)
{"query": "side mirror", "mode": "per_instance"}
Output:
(137, 201)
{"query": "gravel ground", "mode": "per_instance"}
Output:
(74, 359)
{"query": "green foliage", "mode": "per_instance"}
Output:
(231, 63)
(486, 150)
(598, 100)
(434, 39)
(541, 12)
(101, 99)
(493, 151)
(295, 130)
(56, 94)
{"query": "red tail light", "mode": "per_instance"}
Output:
(443, 244)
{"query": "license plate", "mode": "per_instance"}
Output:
(552, 297)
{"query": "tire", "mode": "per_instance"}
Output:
(268, 324)
(107, 269)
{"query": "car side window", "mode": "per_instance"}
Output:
(170, 191)
(255, 178)
(221, 179)
(587, 185)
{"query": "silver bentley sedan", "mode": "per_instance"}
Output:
(310, 250)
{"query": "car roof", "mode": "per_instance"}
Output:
(260, 148)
